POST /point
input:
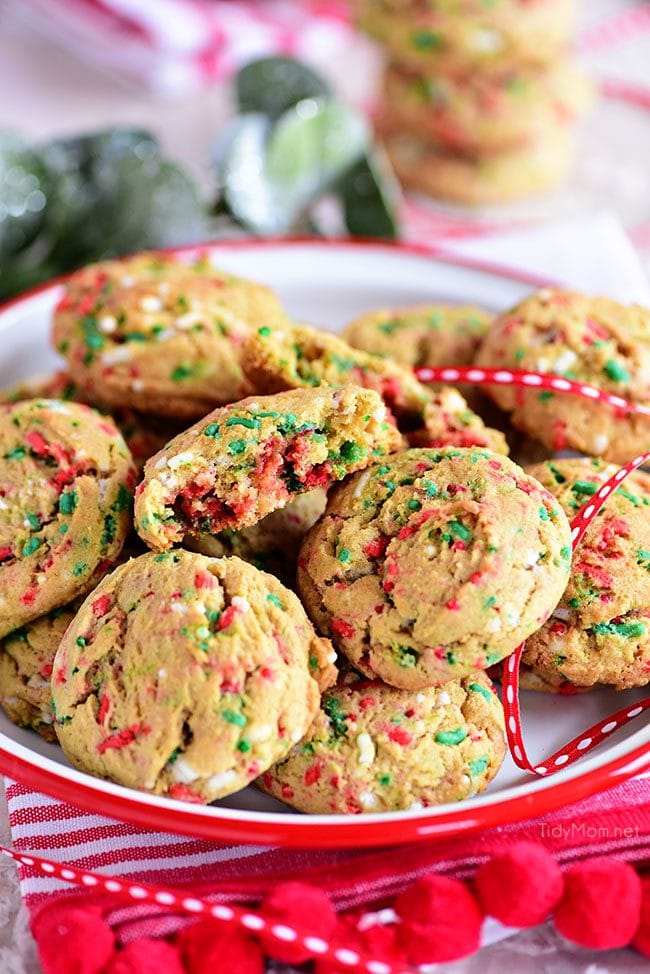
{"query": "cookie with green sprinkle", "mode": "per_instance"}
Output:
(434, 564)
(429, 334)
(600, 631)
(590, 340)
(243, 461)
(66, 486)
(373, 748)
(159, 334)
(187, 676)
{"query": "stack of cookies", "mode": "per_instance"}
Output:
(478, 98)
(323, 557)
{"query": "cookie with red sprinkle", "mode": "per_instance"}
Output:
(187, 676)
(591, 340)
(66, 485)
(600, 631)
(159, 334)
(244, 461)
(434, 564)
(373, 748)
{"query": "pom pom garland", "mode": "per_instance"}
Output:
(601, 905)
(146, 956)
(73, 939)
(440, 920)
(305, 908)
(520, 886)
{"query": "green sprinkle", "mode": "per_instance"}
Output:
(406, 656)
(545, 395)
(17, 453)
(477, 688)
(478, 766)
(182, 372)
(543, 514)
(237, 447)
(616, 372)
(110, 529)
(414, 504)
(643, 558)
(80, 568)
(270, 414)
(68, 501)
(212, 430)
(332, 708)
(426, 40)
(352, 452)
(557, 474)
(232, 717)
(33, 521)
(93, 337)
(265, 331)
(243, 746)
(432, 489)
(81, 641)
(565, 553)
(460, 531)
(344, 556)
(123, 499)
(31, 546)
(384, 780)
(628, 630)
(584, 487)
(451, 737)
(271, 597)
(250, 424)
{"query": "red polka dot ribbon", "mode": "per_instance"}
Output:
(594, 735)
(247, 920)
(531, 380)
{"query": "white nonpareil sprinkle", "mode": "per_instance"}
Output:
(178, 607)
(379, 414)
(240, 603)
(219, 781)
(494, 624)
(261, 733)
(162, 673)
(159, 464)
(137, 385)
(361, 485)
(366, 748)
(601, 443)
(443, 698)
(187, 320)
(184, 773)
(3, 506)
(107, 324)
(561, 613)
(532, 557)
(512, 615)
(368, 799)
(117, 355)
(127, 281)
(175, 462)
(486, 40)
(151, 303)
(565, 361)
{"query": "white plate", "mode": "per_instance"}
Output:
(328, 283)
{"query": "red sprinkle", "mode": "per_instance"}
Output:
(400, 735)
(185, 794)
(376, 547)
(203, 580)
(343, 628)
(101, 606)
(227, 617)
(313, 773)
(453, 605)
(123, 738)
(103, 708)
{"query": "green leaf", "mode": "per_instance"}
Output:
(370, 196)
(272, 85)
(23, 185)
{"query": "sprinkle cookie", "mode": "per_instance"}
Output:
(244, 461)
(434, 564)
(431, 334)
(593, 340)
(187, 676)
(373, 748)
(483, 113)
(461, 36)
(66, 481)
(600, 631)
(160, 335)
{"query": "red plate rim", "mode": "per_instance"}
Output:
(287, 829)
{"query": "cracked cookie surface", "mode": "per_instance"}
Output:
(434, 564)
(66, 483)
(243, 461)
(160, 335)
(600, 631)
(187, 676)
(372, 748)
(592, 340)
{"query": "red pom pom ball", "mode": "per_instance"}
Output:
(304, 908)
(520, 886)
(641, 940)
(441, 920)
(208, 947)
(601, 905)
(146, 956)
(72, 939)
(376, 941)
